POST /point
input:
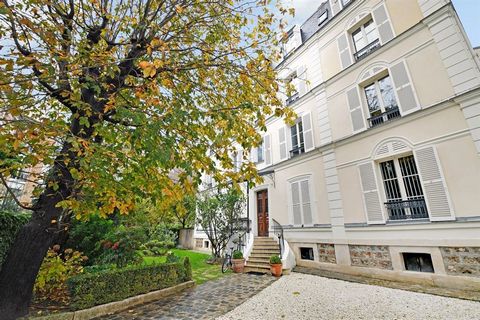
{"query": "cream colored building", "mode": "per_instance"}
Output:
(380, 175)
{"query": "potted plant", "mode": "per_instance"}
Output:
(276, 265)
(238, 262)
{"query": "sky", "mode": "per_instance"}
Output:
(468, 10)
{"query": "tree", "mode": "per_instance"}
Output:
(184, 212)
(112, 96)
(218, 213)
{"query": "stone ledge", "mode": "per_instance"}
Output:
(116, 306)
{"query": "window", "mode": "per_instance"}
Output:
(381, 101)
(345, 2)
(365, 39)
(306, 253)
(421, 262)
(323, 17)
(403, 190)
(292, 88)
(301, 203)
(260, 151)
(296, 132)
(206, 244)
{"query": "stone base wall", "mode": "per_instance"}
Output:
(370, 256)
(326, 253)
(461, 261)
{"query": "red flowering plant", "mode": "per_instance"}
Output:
(120, 247)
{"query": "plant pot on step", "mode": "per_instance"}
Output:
(276, 266)
(238, 262)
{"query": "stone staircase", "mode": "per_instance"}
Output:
(259, 259)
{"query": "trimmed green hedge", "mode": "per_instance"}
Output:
(10, 224)
(91, 289)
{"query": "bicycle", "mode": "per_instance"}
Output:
(227, 261)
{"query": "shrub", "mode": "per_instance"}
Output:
(164, 235)
(85, 236)
(274, 259)
(156, 248)
(172, 258)
(54, 272)
(120, 247)
(237, 254)
(88, 290)
(10, 224)
(188, 269)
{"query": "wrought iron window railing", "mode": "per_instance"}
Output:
(292, 98)
(407, 209)
(384, 117)
(297, 150)
(371, 47)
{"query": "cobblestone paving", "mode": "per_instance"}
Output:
(206, 301)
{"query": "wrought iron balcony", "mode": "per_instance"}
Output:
(384, 117)
(292, 98)
(298, 150)
(407, 210)
(371, 47)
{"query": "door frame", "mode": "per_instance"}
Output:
(267, 220)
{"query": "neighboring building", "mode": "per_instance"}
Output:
(22, 184)
(380, 174)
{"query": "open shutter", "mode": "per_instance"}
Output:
(404, 88)
(384, 26)
(344, 51)
(306, 202)
(296, 205)
(436, 194)
(356, 113)
(371, 197)
(268, 150)
(282, 138)
(308, 132)
(301, 82)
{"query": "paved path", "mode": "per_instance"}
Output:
(206, 301)
(302, 296)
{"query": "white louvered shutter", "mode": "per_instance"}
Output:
(268, 149)
(301, 82)
(306, 202)
(355, 106)
(404, 88)
(282, 138)
(371, 197)
(254, 155)
(308, 132)
(434, 187)
(384, 27)
(344, 51)
(296, 204)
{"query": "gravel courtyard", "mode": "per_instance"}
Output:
(301, 296)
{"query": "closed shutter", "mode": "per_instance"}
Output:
(306, 202)
(301, 82)
(404, 88)
(296, 205)
(384, 26)
(436, 193)
(371, 197)
(254, 155)
(282, 138)
(308, 132)
(356, 113)
(344, 51)
(268, 150)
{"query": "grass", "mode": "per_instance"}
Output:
(201, 270)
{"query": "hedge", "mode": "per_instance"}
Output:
(91, 289)
(10, 224)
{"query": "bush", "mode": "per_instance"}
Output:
(274, 259)
(10, 224)
(172, 258)
(54, 272)
(120, 247)
(85, 236)
(164, 235)
(156, 248)
(237, 254)
(88, 290)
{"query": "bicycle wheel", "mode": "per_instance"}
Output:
(227, 264)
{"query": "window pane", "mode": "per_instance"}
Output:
(389, 175)
(358, 39)
(293, 131)
(300, 135)
(372, 100)
(371, 31)
(388, 95)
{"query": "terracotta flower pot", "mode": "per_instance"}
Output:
(276, 269)
(238, 265)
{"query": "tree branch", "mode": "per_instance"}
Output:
(14, 196)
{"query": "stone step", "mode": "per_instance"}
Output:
(258, 265)
(255, 260)
(257, 270)
(262, 247)
(265, 251)
(260, 256)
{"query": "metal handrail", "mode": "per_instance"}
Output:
(278, 231)
(388, 115)
(407, 209)
(298, 150)
(362, 53)
(292, 98)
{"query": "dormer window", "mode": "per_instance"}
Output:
(323, 17)
(292, 40)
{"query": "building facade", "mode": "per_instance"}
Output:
(380, 173)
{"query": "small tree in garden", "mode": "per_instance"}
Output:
(218, 213)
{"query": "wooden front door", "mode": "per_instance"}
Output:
(262, 213)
